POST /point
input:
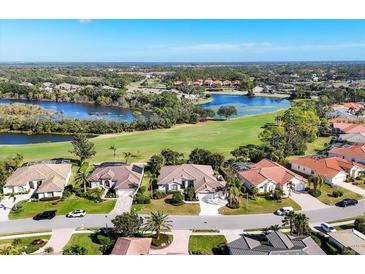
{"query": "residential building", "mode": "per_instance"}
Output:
(267, 175)
(355, 153)
(132, 246)
(48, 180)
(208, 82)
(354, 138)
(178, 83)
(236, 83)
(217, 83)
(227, 83)
(333, 169)
(180, 177)
(343, 128)
(278, 243)
(349, 239)
(123, 178)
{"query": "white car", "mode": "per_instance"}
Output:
(327, 228)
(284, 210)
(76, 213)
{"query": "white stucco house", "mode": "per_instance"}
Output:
(48, 180)
(180, 177)
(333, 169)
(123, 178)
(267, 175)
(353, 153)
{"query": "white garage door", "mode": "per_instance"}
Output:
(299, 187)
(125, 192)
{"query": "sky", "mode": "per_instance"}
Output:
(181, 40)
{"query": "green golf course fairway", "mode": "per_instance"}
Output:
(216, 136)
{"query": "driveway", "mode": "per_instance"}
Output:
(306, 201)
(210, 204)
(352, 188)
(9, 203)
(59, 238)
(122, 205)
(179, 245)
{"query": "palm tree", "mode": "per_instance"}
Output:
(232, 194)
(114, 148)
(158, 221)
(289, 220)
(128, 155)
(81, 178)
(301, 223)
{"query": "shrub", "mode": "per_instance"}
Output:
(92, 194)
(360, 224)
(31, 249)
(75, 250)
(331, 249)
(177, 199)
(337, 193)
(164, 240)
(142, 189)
(141, 199)
(199, 252)
(190, 193)
(49, 199)
(49, 250)
(315, 192)
(38, 242)
(158, 194)
(68, 191)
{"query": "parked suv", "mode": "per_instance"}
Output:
(284, 210)
(76, 213)
(327, 228)
(50, 214)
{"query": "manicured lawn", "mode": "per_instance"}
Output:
(30, 209)
(208, 245)
(326, 197)
(161, 205)
(217, 136)
(26, 242)
(146, 181)
(85, 240)
(260, 205)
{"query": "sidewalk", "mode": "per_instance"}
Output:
(59, 239)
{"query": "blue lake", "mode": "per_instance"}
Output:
(247, 105)
(19, 139)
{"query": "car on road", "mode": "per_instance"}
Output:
(76, 213)
(347, 202)
(49, 214)
(327, 228)
(284, 210)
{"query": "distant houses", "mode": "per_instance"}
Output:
(333, 169)
(124, 179)
(355, 153)
(180, 177)
(209, 83)
(345, 128)
(354, 138)
(267, 175)
(48, 180)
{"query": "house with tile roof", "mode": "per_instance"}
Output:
(180, 177)
(48, 180)
(343, 128)
(354, 138)
(277, 243)
(123, 178)
(132, 246)
(333, 169)
(349, 239)
(267, 175)
(353, 153)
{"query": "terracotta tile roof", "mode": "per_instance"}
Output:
(349, 105)
(202, 175)
(53, 176)
(349, 127)
(124, 176)
(132, 246)
(328, 167)
(269, 170)
(354, 151)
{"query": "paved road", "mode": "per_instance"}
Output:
(185, 222)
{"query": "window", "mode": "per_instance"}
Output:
(173, 187)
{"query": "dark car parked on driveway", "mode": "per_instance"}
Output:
(50, 214)
(347, 202)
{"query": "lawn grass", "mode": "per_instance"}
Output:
(260, 205)
(161, 205)
(30, 209)
(327, 190)
(208, 245)
(217, 136)
(146, 181)
(85, 240)
(26, 241)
